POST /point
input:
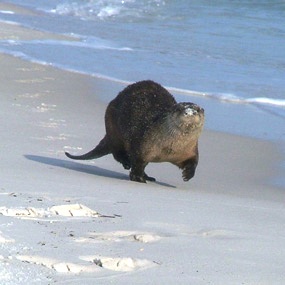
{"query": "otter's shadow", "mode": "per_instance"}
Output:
(80, 167)
(84, 168)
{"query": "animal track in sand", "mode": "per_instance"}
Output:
(89, 264)
(4, 239)
(126, 264)
(215, 233)
(57, 265)
(71, 210)
(118, 236)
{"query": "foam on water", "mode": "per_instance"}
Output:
(231, 98)
(90, 43)
(7, 12)
(266, 101)
(102, 9)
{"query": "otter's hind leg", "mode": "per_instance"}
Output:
(122, 157)
(137, 172)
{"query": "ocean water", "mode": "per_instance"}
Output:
(228, 56)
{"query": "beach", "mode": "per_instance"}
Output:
(67, 222)
(225, 226)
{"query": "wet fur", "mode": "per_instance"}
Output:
(145, 124)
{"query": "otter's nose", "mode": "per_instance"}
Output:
(190, 111)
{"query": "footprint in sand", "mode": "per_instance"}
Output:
(120, 264)
(119, 236)
(4, 239)
(57, 265)
(89, 264)
(71, 210)
(215, 233)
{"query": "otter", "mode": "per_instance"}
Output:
(144, 123)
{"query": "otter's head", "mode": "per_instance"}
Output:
(188, 116)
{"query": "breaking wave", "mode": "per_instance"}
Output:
(103, 9)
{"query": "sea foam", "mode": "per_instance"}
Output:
(231, 98)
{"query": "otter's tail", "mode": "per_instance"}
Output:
(100, 150)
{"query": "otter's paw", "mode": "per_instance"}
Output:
(137, 178)
(188, 173)
(148, 178)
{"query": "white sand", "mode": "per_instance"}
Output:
(67, 222)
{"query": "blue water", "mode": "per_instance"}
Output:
(228, 56)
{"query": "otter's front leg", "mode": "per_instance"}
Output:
(189, 168)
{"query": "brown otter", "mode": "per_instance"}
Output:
(145, 124)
